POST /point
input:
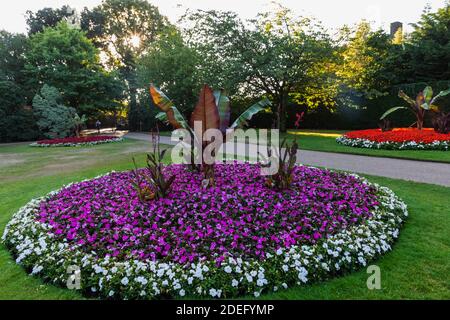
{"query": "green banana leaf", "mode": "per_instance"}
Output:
(391, 111)
(405, 97)
(223, 106)
(178, 117)
(250, 112)
(428, 95)
(162, 116)
(440, 95)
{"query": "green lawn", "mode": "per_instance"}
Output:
(417, 268)
(325, 140)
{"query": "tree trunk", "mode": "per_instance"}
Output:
(282, 109)
(420, 118)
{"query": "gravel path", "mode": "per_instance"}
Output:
(418, 171)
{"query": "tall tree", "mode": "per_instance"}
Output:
(273, 54)
(46, 17)
(124, 29)
(172, 66)
(430, 45)
(423, 56)
(64, 58)
(16, 120)
(360, 59)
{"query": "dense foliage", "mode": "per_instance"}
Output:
(103, 59)
(74, 68)
(16, 119)
(54, 119)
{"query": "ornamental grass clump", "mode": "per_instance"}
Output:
(287, 157)
(386, 125)
(158, 185)
(441, 122)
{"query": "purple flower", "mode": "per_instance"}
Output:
(237, 217)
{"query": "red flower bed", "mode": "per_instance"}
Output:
(75, 140)
(399, 135)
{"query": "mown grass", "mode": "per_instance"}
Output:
(417, 268)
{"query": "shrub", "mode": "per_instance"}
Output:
(53, 119)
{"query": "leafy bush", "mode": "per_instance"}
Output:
(16, 121)
(53, 119)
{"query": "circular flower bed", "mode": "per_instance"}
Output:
(238, 237)
(400, 139)
(76, 142)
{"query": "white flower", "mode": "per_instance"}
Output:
(141, 280)
(213, 292)
(182, 292)
(234, 283)
(256, 293)
(124, 281)
(285, 268)
(228, 269)
(261, 282)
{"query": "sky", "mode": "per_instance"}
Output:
(332, 13)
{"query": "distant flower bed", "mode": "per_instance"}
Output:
(236, 238)
(74, 141)
(401, 139)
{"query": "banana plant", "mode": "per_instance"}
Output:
(212, 110)
(424, 102)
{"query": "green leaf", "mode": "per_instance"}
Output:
(162, 116)
(428, 95)
(434, 108)
(180, 119)
(440, 95)
(425, 106)
(250, 112)
(223, 105)
(405, 97)
(391, 111)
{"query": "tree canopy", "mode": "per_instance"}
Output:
(274, 54)
(104, 63)
(65, 58)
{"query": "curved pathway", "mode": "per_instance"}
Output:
(417, 171)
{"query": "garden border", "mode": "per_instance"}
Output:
(70, 144)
